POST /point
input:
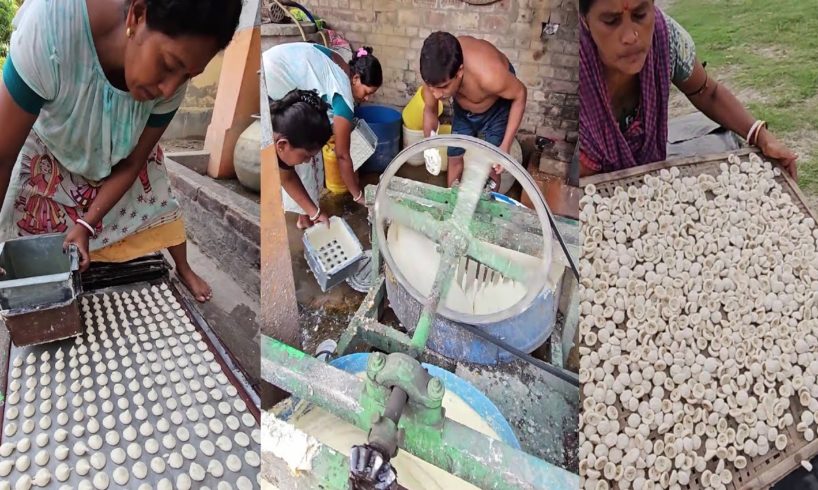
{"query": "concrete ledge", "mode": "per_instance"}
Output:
(189, 122)
(224, 225)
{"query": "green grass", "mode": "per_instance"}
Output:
(771, 48)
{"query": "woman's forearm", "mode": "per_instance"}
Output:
(295, 189)
(112, 189)
(720, 105)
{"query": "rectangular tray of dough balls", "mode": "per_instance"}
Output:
(138, 400)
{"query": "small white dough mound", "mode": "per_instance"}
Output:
(22, 464)
(233, 463)
(61, 453)
(83, 467)
(134, 450)
(98, 461)
(6, 449)
(42, 458)
(197, 472)
(207, 447)
(63, 472)
(223, 443)
(215, 468)
(118, 455)
(24, 444)
(121, 476)
(164, 484)
(157, 465)
(252, 458)
(139, 470)
(183, 482)
(42, 478)
(23, 483)
(152, 446)
(244, 483)
(175, 460)
(101, 480)
(5, 467)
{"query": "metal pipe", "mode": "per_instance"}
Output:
(461, 451)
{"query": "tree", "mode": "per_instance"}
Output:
(7, 10)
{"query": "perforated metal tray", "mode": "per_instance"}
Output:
(184, 375)
(761, 471)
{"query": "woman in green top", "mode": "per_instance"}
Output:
(88, 89)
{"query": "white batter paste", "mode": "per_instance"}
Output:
(16, 373)
(122, 403)
(141, 413)
(197, 473)
(146, 429)
(98, 461)
(119, 389)
(139, 470)
(188, 451)
(45, 379)
(77, 431)
(76, 400)
(76, 385)
(31, 383)
(129, 434)
(109, 422)
(232, 422)
(60, 390)
(193, 415)
(117, 456)
(177, 418)
(30, 395)
(125, 417)
(216, 426)
(18, 361)
(134, 451)
(208, 411)
(107, 406)
(414, 473)
(157, 410)
(92, 426)
(5, 467)
(31, 359)
(175, 460)
(248, 420)
(164, 484)
(28, 411)
(11, 429)
(45, 422)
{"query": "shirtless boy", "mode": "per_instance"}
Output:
(488, 96)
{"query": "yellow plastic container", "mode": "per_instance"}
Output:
(332, 173)
(413, 112)
(411, 137)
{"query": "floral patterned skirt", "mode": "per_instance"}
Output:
(44, 197)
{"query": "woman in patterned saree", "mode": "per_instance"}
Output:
(88, 89)
(630, 53)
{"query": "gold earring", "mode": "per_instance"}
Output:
(128, 33)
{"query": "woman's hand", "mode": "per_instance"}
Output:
(78, 236)
(772, 148)
(322, 218)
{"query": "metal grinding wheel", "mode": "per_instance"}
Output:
(454, 236)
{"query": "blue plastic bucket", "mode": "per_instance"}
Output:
(386, 123)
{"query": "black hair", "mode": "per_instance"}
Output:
(301, 117)
(215, 19)
(585, 6)
(367, 67)
(440, 58)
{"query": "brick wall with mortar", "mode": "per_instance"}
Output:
(549, 68)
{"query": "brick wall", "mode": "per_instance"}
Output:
(397, 28)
